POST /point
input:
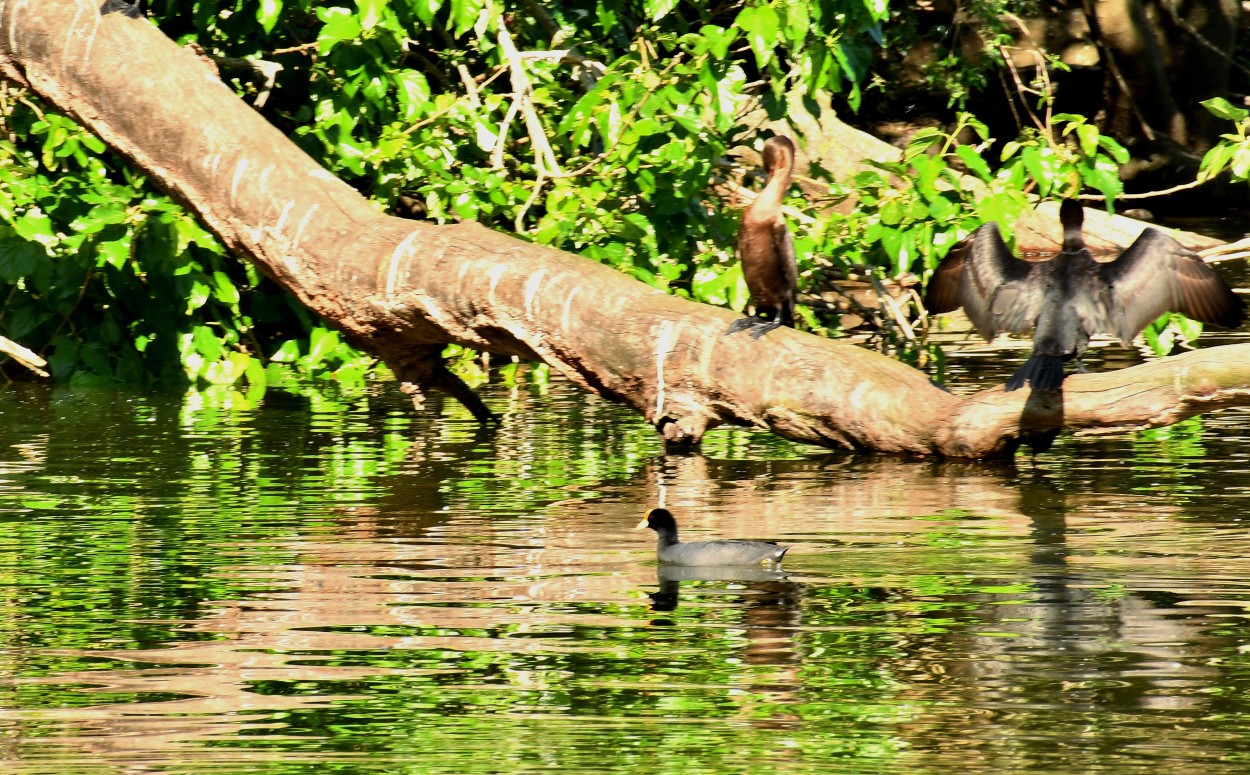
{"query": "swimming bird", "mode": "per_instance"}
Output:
(766, 247)
(706, 553)
(1067, 299)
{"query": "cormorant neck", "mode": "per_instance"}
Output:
(1072, 217)
(779, 178)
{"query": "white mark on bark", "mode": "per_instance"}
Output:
(69, 36)
(86, 54)
(568, 306)
(392, 271)
(531, 290)
(856, 397)
(432, 310)
(263, 182)
(496, 273)
(299, 230)
(286, 210)
(663, 341)
(13, 27)
(239, 170)
(705, 358)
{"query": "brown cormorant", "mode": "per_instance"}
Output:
(1070, 297)
(766, 248)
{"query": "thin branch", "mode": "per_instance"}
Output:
(1147, 194)
(544, 18)
(544, 156)
(470, 86)
(1091, 19)
(533, 197)
(294, 49)
(427, 66)
(1198, 36)
(23, 356)
(1226, 252)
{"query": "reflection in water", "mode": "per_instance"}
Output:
(669, 578)
(332, 584)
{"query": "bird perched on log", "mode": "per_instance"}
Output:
(766, 248)
(1067, 299)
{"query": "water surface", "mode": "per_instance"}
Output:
(336, 584)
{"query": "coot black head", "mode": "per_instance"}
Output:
(659, 520)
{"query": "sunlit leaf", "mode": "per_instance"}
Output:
(370, 12)
(267, 13)
(339, 24)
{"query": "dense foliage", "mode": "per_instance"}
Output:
(595, 126)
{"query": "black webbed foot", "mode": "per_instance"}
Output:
(764, 326)
(739, 325)
(756, 325)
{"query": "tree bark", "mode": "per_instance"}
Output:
(402, 289)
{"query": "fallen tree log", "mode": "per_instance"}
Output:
(403, 289)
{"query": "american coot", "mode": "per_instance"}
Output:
(766, 248)
(706, 553)
(1071, 297)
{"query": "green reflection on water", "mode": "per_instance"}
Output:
(334, 584)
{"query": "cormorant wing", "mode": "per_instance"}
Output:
(1157, 274)
(997, 290)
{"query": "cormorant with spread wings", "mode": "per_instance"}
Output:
(1070, 297)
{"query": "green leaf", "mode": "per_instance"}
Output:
(1222, 108)
(719, 40)
(338, 25)
(321, 343)
(761, 26)
(115, 252)
(658, 9)
(1240, 164)
(287, 353)
(370, 12)
(19, 258)
(1215, 160)
(464, 14)
(36, 227)
(224, 290)
(200, 292)
(1088, 135)
(1113, 147)
(414, 93)
(974, 162)
(924, 139)
(267, 14)
(207, 343)
(425, 10)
